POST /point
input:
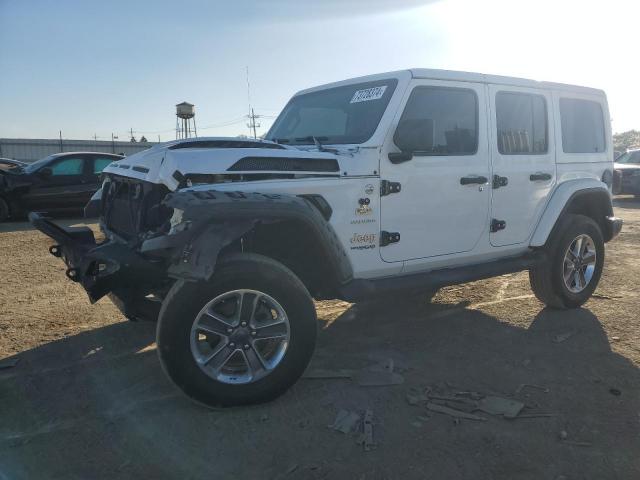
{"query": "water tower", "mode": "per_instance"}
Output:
(185, 120)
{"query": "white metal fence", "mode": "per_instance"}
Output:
(31, 149)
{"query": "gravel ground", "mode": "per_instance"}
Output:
(87, 398)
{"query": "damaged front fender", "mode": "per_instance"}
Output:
(210, 220)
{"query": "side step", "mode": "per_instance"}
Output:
(361, 289)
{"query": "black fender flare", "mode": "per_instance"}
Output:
(213, 219)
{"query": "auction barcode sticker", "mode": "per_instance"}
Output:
(367, 94)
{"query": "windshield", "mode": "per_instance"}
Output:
(629, 157)
(32, 167)
(339, 115)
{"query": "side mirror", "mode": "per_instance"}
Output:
(45, 172)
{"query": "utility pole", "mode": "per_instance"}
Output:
(133, 139)
(113, 143)
(159, 139)
(95, 137)
(61, 141)
(252, 123)
(252, 116)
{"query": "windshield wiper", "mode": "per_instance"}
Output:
(311, 138)
(321, 148)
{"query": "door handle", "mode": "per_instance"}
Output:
(473, 180)
(539, 177)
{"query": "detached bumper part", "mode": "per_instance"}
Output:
(99, 268)
(613, 226)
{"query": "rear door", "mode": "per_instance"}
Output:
(65, 188)
(96, 164)
(443, 202)
(523, 160)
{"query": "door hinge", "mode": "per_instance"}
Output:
(499, 181)
(387, 238)
(497, 225)
(387, 187)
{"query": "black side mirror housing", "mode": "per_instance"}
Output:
(45, 172)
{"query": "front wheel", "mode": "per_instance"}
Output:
(575, 257)
(242, 338)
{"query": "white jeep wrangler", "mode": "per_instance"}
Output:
(390, 183)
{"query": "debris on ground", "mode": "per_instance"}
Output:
(366, 439)
(434, 407)
(561, 337)
(531, 385)
(500, 406)
(465, 404)
(346, 421)
(563, 435)
(349, 422)
(379, 375)
(9, 362)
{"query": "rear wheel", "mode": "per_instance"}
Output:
(575, 257)
(244, 337)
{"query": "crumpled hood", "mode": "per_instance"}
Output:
(167, 163)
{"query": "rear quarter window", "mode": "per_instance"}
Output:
(582, 125)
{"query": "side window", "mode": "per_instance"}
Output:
(582, 126)
(99, 164)
(445, 120)
(68, 166)
(521, 119)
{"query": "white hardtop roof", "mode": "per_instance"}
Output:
(458, 76)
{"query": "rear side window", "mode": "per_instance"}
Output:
(582, 126)
(99, 164)
(452, 116)
(522, 123)
(68, 166)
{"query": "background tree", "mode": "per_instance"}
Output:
(625, 140)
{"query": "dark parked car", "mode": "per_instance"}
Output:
(7, 163)
(60, 182)
(626, 174)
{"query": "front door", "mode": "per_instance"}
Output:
(524, 165)
(65, 188)
(443, 202)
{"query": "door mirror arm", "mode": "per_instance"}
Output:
(400, 157)
(45, 172)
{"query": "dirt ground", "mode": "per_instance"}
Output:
(87, 398)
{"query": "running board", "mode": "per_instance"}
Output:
(361, 289)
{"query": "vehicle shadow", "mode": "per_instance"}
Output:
(96, 405)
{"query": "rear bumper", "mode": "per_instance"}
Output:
(613, 225)
(99, 267)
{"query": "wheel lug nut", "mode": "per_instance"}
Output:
(254, 333)
(232, 345)
(229, 330)
(246, 346)
(244, 324)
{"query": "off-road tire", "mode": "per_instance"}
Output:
(186, 299)
(4, 210)
(547, 280)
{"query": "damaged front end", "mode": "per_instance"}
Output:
(154, 236)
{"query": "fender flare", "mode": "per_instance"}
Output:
(561, 198)
(213, 219)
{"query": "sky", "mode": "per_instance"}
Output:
(95, 67)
